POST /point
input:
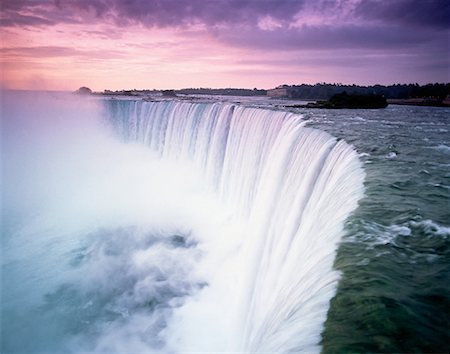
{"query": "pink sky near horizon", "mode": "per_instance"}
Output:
(65, 58)
(101, 54)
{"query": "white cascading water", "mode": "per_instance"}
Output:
(288, 188)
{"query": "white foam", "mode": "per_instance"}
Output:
(391, 155)
(442, 148)
(276, 176)
(260, 198)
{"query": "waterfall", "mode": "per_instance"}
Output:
(289, 187)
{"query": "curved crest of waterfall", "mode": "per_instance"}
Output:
(290, 187)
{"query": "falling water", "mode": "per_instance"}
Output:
(192, 227)
(291, 187)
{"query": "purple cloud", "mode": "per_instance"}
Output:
(20, 20)
(161, 13)
(431, 13)
(57, 52)
(372, 23)
(417, 13)
(327, 37)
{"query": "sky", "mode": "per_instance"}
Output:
(162, 44)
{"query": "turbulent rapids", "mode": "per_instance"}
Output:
(193, 227)
(290, 186)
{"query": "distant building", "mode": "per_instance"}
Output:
(279, 92)
(169, 93)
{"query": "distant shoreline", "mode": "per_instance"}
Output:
(406, 102)
(322, 95)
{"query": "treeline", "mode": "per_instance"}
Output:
(324, 91)
(224, 91)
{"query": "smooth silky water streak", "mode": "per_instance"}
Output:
(290, 187)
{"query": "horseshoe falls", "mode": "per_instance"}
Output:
(290, 188)
(168, 227)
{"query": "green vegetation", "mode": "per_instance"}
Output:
(343, 100)
(323, 91)
(83, 91)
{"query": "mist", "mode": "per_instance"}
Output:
(167, 226)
